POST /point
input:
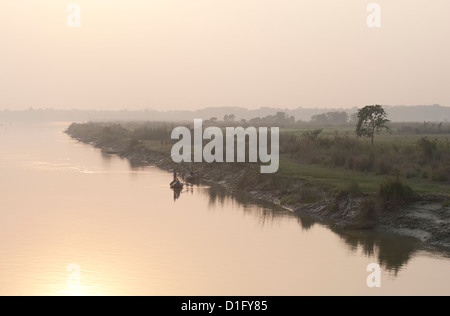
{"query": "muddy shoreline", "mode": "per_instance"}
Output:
(425, 219)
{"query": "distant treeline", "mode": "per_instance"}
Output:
(430, 113)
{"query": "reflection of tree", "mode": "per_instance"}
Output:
(264, 211)
(106, 157)
(392, 251)
(306, 222)
(136, 165)
(217, 196)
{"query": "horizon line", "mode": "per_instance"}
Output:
(213, 107)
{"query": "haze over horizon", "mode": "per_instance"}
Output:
(180, 55)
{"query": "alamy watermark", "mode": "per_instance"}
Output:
(214, 151)
(374, 279)
(74, 18)
(374, 18)
(74, 277)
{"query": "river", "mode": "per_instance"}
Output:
(75, 221)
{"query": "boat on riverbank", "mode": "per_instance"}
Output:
(176, 185)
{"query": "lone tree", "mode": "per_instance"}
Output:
(372, 119)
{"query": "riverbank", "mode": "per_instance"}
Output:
(425, 217)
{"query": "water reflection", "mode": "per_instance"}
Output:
(136, 165)
(106, 158)
(392, 252)
(68, 203)
(266, 213)
(176, 194)
(306, 222)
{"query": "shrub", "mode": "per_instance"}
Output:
(313, 135)
(345, 142)
(350, 189)
(439, 177)
(427, 147)
(383, 167)
(134, 142)
(409, 171)
(310, 194)
(315, 160)
(364, 164)
(394, 192)
(350, 163)
(338, 158)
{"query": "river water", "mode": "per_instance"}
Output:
(75, 221)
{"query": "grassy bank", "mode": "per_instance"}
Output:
(333, 155)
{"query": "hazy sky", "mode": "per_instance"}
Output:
(187, 54)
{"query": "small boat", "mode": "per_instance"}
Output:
(176, 185)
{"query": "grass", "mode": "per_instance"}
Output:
(396, 137)
(407, 139)
(341, 178)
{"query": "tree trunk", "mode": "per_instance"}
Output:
(373, 133)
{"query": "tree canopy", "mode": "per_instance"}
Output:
(372, 119)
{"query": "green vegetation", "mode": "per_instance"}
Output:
(340, 158)
(372, 119)
(327, 155)
(112, 133)
(394, 192)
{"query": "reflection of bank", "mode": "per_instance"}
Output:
(391, 251)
